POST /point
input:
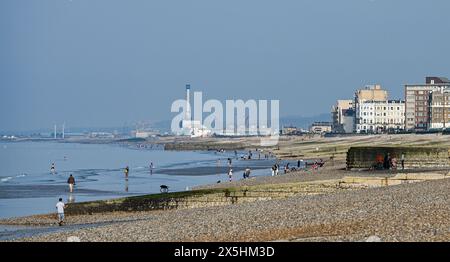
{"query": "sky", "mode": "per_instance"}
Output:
(103, 63)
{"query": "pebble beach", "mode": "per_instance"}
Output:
(407, 212)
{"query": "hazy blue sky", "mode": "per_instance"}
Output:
(107, 62)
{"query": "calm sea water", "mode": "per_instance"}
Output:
(28, 187)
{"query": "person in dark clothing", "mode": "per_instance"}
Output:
(386, 162)
(389, 161)
(321, 163)
(71, 182)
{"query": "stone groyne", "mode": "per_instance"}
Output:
(203, 198)
(366, 157)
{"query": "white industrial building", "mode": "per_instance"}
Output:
(189, 127)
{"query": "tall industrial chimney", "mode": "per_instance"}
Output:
(188, 103)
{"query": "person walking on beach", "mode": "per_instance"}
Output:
(273, 170)
(394, 163)
(386, 161)
(230, 174)
(60, 210)
(71, 182)
(403, 161)
(126, 171)
(286, 168)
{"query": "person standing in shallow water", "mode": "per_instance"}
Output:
(151, 168)
(52, 169)
(126, 171)
(71, 182)
(60, 210)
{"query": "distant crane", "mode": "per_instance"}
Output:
(63, 129)
(63, 134)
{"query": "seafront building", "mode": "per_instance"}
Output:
(440, 109)
(144, 133)
(289, 130)
(374, 113)
(422, 113)
(426, 107)
(371, 92)
(380, 116)
(369, 112)
(343, 115)
(320, 127)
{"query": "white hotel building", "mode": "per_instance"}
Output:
(379, 116)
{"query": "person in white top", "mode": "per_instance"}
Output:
(60, 209)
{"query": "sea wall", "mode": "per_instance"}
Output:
(415, 157)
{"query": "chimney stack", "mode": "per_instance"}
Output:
(188, 104)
